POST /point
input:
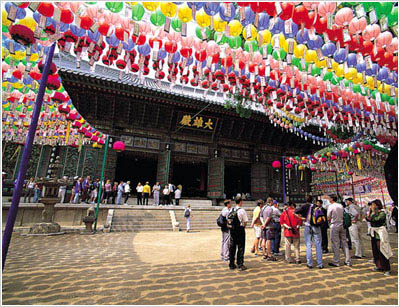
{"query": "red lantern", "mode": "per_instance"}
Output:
(276, 164)
(66, 16)
(46, 9)
(53, 83)
(59, 97)
(22, 34)
(119, 146)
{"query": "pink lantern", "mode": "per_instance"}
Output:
(393, 46)
(356, 25)
(276, 164)
(119, 146)
(326, 8)
(384, 39)
(344, 16)
(371, 32)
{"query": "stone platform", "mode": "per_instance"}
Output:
(159, 268)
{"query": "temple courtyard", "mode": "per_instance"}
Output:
(149, 268)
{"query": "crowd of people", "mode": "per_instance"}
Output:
(86, 189)
(343, 220)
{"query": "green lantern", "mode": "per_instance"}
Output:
(207, 33)
(296, 61)
(137, 12)
(176, 24)
(157, 18)
(356, 88)
(392, 101)
(279, 54)
(315, 71)
(253, 43)
(235, 42)
(220, 39)
(328, 76)
(393, 17)
(368, 6)
(4, 28)
(115, 7)
(383, 9)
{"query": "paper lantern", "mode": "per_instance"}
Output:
(119, 146)
(276, 164)
(22, 34)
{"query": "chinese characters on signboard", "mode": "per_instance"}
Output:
(197, 122)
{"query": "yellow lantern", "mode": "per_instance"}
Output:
(358, 79)
(311, 56)
(285, 44)
(219, 24)
(351, 73)
(203, 20)
(34, 57)
(335, 66)
(150, 6)
(265, 36)
(4, 19)
(299, 51)
(28, 22)
(235, 27)
(252, 35)
(168, 9)
(320, 64)
(339, 71)
(185, 14)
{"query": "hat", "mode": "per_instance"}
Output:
(76, 177)
(275, 202)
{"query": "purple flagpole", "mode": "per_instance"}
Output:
(283, 179)
(12, 213)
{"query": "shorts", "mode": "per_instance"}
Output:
(257, 231)
(268, 234)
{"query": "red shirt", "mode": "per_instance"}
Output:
(294, 221)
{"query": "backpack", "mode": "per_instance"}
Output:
(187, 213)
(221, 221)
(346, 220)
(318, 217)
(233, 222)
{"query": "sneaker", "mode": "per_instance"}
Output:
(298, 261)
(320, 267)
(371, 261)
(289, 262)
(348, 264)
(278, 254)
(233, 267)
(325, 251)
(309, 266)
(387, 273)
(333, 264)
(242, 268)
(375, 269)
(270, 258)
(356, 257)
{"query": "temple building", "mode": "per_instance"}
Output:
(181, 135)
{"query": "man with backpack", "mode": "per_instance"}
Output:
(324, 228)
(187, 215)
(338, 232)
(313, 217)
(355, 228)
(236, 223)
(221, 222)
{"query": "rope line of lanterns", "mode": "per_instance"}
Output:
(320, 63)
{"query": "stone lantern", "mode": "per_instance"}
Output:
(49, 199)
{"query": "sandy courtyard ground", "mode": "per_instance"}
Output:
(179, 268)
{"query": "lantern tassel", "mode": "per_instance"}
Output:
(80, 143)
(301, 176)
(67, 136)
(369, 159)
(347, 167)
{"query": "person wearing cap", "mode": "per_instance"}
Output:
(311, 233)
(338, 232)
(276, 216)
(238, 238)
(355, 229)
(225, 241)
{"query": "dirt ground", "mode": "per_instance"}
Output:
(179, 268)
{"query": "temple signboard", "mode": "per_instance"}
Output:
(197, 122)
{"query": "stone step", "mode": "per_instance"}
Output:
(136, 229)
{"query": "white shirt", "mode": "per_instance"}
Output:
(170, 187)
(127, 188)
(178, 193)
(335, 213)
(139, 189)
(225, 212)
(242, 215)
(165, 191)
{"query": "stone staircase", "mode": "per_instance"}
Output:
(140, 220)
(204, 219)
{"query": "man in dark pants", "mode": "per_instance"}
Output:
(324, 230)
(237, 235)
